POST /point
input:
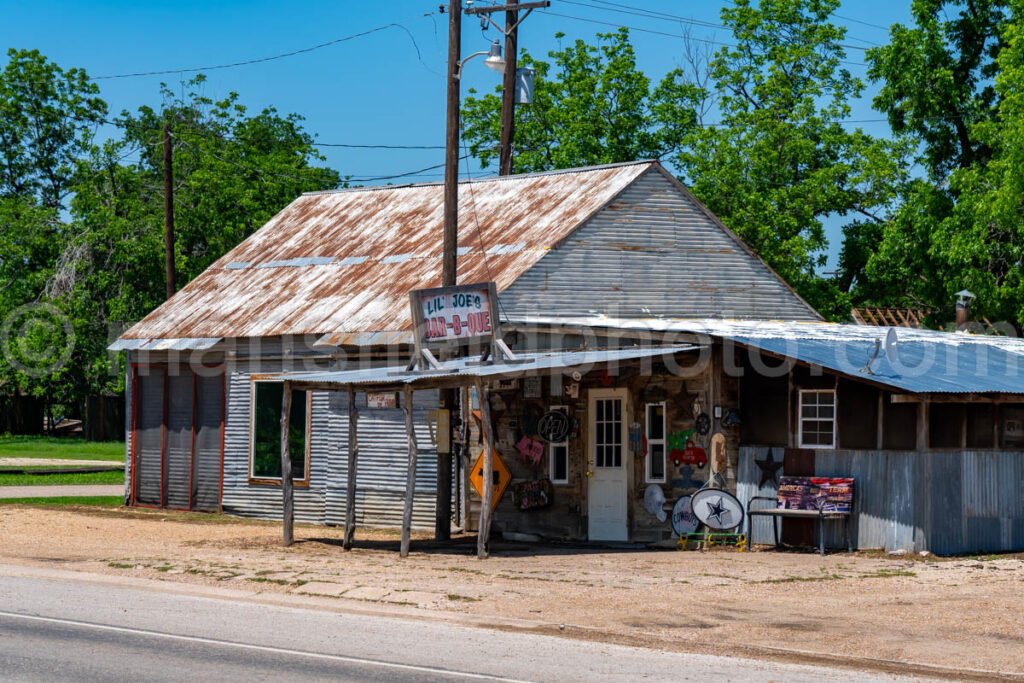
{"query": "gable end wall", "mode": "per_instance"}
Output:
(653, 252)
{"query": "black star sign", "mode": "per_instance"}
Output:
(768, 468)
(716, 510)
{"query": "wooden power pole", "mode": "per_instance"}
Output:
(511, 54)
(443, 500)
(169, 210)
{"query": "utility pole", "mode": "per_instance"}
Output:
(443, 501)
(169, 210)
(508, 94)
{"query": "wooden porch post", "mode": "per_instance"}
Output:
(922, 425)
(287, 492)
(484, 528)
(353, 455)
(410, 482)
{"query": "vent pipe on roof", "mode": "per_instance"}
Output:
(963, 305)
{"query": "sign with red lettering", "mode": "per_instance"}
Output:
(447, 314)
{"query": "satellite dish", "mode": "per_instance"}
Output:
(891, 340)
(654, 502)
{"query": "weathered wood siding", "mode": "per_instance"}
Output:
(947, 502)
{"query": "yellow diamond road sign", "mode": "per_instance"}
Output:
(502, 477)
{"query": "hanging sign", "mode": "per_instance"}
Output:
(386, 399)
(462, 313)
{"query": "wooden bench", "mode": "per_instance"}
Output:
(817, 498)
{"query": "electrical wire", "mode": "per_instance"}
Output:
(349, 146)
(660, 33)
(284, 55)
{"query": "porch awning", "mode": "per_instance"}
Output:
(464, 370)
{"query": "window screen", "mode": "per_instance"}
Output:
(817, 418)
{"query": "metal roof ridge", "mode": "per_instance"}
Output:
(487, 179)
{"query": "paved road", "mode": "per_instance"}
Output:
(61, 628)
(74, 491)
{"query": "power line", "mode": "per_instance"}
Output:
(349, 146)
(260, 60)
(661, 33)
(674, 18)
(858, 21)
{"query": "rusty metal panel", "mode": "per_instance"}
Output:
(343, 262)
(178, 452)
(652, 252)
(208, 433)
(149, 438)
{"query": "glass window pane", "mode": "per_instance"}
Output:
(657, 461)
(266, 461)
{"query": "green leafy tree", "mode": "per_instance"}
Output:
(592, 105)
(943, 85)
(780, 159)
(232, 172)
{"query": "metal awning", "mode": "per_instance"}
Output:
(922, 361)
(462, 370)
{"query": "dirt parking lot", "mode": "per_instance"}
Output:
(911, 614)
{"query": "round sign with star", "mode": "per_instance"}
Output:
(718, 510)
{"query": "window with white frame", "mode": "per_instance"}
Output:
(817, 418)
(558, 455)
(655, 430)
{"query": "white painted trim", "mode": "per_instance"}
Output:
(800, 418)
(551, 452)
(663, 441)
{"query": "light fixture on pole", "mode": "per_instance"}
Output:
(494, 62)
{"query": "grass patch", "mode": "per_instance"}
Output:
(67, 501)
(120, 565)
(164, 568)
(804, 579)
(63, 478)
(62, 448)
(455, 597)
(887, 573)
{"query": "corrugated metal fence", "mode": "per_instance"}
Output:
(948, 502)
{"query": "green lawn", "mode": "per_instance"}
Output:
(63, 448)
(63, 479)
(104, 501)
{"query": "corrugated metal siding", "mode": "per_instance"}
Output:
(653, 252)
(150, 436)
(948, 502)
(178, 456)
(382, 462)
(747, 477)
(206, 464)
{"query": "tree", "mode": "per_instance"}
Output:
(780, 160)
(232, 172)
(592, 106)
(945, 82)
(48, 118)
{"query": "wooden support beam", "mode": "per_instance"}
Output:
(353, 457)
(410, 480)
(484, 531)
(287, 491)
(880, 433)
(922, 426)
(953, 398)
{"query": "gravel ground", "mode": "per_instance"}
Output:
(907, 614)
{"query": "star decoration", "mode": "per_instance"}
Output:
(717, 511)
(768, 468)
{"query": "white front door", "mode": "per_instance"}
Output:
(608, 465)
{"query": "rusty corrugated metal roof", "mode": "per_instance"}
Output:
(341, 264)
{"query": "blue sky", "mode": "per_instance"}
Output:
(387, 87)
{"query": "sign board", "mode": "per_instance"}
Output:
(716, 509)
(455, 314)
(502, 477)
(385, 399)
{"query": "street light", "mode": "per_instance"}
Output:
(494, 61)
